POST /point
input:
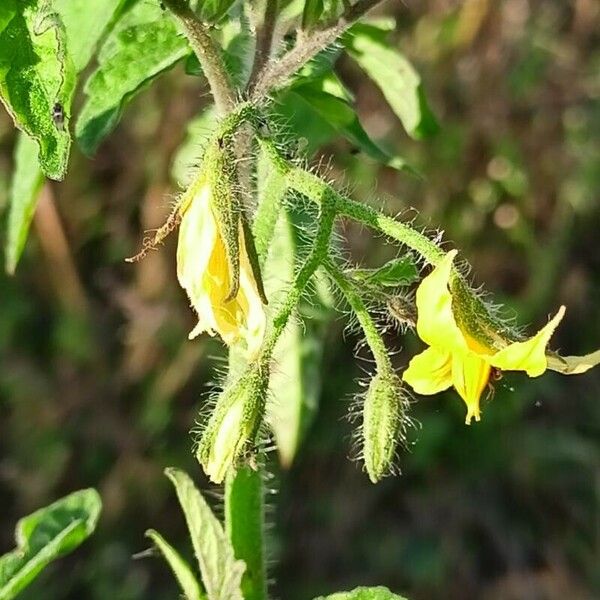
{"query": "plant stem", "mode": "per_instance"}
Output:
(245, 527)
(208, 53)
(313, 187)
(316, 257)
(372, 335)
(264, 40)
(278, 71)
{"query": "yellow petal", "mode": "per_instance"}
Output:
(470, 376)
(436, 325)
(573, 365)
(429, 372)
(530, 355)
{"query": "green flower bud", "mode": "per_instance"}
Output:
(234, 423)
(383, 424)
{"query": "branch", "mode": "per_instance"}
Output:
(208, 53)
(264, 40)
(277, 72)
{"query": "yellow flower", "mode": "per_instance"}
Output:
(204, 272)
(455, 358)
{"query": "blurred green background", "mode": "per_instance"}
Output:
(99, 385)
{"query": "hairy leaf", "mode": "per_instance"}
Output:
(395, 77)
(221, 572)
(143, 44)
(396, 272)
(24, 192)
(182, 571)
(46, 535)
(36, 74)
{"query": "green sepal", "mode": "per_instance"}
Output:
(234, 423)
(218, 163)
(253, 257)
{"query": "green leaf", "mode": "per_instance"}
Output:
(313, 9)
(221, 572)
(213, 10)
(45, 535)
(364, 593)
(35, 74)
(142, 45)
(25, 189)
(394, 273)
(84, 23)
(244, 520)
(190, 151)
(295, 385)
(395, 77)
(319, 115)
(182, 571)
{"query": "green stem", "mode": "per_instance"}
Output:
(486, 326)
(245, 526)
(208, 53)
(316, 257)
(372, 335)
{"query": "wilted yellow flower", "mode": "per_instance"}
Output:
(204, 272)
(455, 358)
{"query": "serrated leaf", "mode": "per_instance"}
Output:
(83, 29)
(24, 192)
(143, 44)
(182, 571)
(395, 77)
(221, 572)
(36, 73)
(46, 535)
(319, 111)
(394, 273)
(295, 385)
(364, 593)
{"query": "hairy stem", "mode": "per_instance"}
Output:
(208, 53)
(264, 40)
(372, 335)
(245, 526)
(316, 257)
(313, 187)
(276, 73)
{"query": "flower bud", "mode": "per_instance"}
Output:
(234, 423)
(383, 422)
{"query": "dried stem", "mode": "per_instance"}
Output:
(277, 72)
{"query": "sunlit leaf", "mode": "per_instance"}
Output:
(144, 43)
(221, 572)
(364, 593)
(395, 77)
(24, 192)
(182, 571)
(36, 75)
(45, 535)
